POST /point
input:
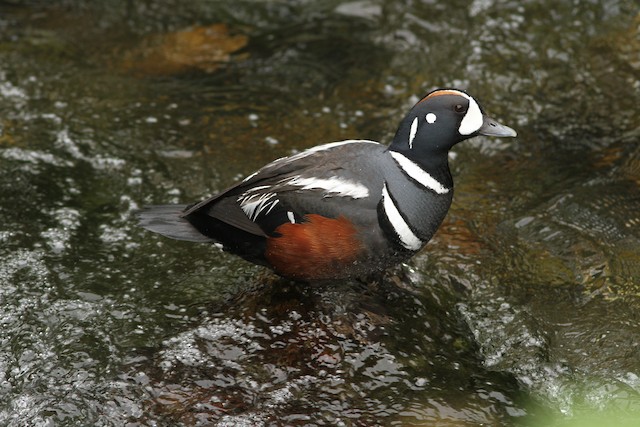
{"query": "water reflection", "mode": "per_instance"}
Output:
(325, 355)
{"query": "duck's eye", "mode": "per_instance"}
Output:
(459, 108)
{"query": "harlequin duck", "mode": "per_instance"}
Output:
(344, 209)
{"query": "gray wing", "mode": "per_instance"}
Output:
(289, 188)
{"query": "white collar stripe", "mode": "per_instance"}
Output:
(418, 174)
(408, 239)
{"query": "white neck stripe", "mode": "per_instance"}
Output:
(407, 237)
(417, 173)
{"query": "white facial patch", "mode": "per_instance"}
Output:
(431, 118)
(408, 239)
(418, 174)
(334, 185)
(472, 121)
(291, 217)
(412, 132)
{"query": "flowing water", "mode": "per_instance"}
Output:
(524, 310)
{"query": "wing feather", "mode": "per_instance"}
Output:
(269, 196)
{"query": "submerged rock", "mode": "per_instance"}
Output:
(200, 48)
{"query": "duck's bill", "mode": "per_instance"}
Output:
(491, 127)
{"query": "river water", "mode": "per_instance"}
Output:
(523, 310)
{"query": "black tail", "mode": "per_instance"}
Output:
(168, 221)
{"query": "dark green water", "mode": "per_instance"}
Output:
(524, 310)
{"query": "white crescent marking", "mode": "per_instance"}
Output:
(407, 238)
(472, 121)
(416, 172)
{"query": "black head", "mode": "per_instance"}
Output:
(440, 120)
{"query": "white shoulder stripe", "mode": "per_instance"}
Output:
(331, 145)
(408, 239)
(334, 185)
(295, 157)
(419, 174)
(323, 147)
